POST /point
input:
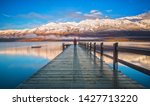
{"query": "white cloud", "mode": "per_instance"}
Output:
(93, 11)
(93, 14)
(42, 18)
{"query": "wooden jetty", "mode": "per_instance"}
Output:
(77, 68)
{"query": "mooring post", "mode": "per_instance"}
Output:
(115, 64)
(90, 47)
(101, 55)
(63, 46)
(94, 49)
(101, 50)
(115, 56)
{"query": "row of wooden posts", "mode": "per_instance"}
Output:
(93, 47)
(100, 49)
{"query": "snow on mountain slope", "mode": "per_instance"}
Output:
(139, 22)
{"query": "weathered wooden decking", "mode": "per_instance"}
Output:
(76, 68)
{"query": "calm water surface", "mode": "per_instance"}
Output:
(137, 59)
(18, 61)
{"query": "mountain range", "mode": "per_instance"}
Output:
(133, 23)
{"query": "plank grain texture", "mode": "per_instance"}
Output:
(76, 68)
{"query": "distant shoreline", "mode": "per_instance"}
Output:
(70, 40)
(107, 36)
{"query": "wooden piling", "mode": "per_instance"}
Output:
(101, 55)
(63, 46)
(101, 50)
(94, 49)
(115, 56)
(90, 47)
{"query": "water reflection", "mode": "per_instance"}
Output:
(21, 61)
(137, 59)
(47, 51)
(141, 60)
(130, 44)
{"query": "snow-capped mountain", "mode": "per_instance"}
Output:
(133, 23)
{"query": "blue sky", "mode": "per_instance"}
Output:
(20, 14)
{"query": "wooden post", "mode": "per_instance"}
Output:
(101, 55)
(94, 49)
(101, 50)
(90, 47)
(63, 46)
(115, 56)
(115, 65)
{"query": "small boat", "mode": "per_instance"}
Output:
(36, 46)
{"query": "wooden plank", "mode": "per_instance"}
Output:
(76, 68)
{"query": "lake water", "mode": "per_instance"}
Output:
(140, 77)
(136, 59)
(18, 61)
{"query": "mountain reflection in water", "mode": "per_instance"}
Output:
(46, 51)
(137, 59)
(18, 61)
